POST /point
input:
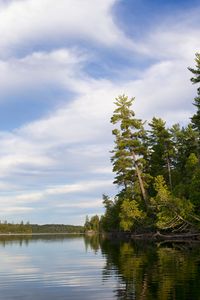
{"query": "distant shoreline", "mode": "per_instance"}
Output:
(47, 233)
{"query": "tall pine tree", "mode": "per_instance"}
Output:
(128, 153)
(161, 150)
(196, 117)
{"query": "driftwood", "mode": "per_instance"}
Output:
(183, 236)
(152, 236)
(172, 237)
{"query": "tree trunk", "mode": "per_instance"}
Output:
(141, 183)
(169, 173)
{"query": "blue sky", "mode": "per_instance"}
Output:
(62, 63)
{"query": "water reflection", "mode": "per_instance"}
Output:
(26, 239)
(89, 267)
(50, 267)
(150, 271)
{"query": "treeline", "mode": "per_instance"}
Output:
(157, 171)
(56, 228)
(11, 228)
(92, 224)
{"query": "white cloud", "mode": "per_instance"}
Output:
(15, 202)
(6, 186)
(61, 67)
(14, 210)
(94, 203)
(71, 142)
(176, 37)
(164, 90)
(46, 21)
(76, 188)
(77, 136)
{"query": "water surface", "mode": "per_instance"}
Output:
(78, 267)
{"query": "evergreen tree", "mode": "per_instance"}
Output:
(166, 162)
(87, 225)
(196, 117)
(127, 159)
(94, 223)
(185, 142)
(161, 150)
(110, 220)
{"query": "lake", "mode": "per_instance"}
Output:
(78, 267)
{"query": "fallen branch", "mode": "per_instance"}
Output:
(183, 236)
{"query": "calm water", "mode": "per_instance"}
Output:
(75, 267)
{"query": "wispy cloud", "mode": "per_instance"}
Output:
(12, 204)
(59, 68)
(25, 23)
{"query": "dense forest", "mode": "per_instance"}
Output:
(157, 171)
(27, 228)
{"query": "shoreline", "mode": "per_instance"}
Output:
(33, 234)
(154, 237)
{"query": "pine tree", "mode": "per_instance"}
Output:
(161, 150)
(196, 117)
(128, 153)
(110, 219)
(87, 225)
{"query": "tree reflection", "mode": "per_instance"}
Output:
(92, 241)
(151, 271)
(26, 239)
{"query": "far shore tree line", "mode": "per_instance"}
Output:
(157, 171)
(27, 228)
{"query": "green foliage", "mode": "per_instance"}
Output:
(130, 214)
(157, 171)
(56, 228)
(171, 212)
(196, 80)
(110, 220)
(11, 228)
(27, 228)
(161, 150)
(196, 117)
(128, 154)
(194, 187)
(92, 224)
(87, 225)
(192, 163)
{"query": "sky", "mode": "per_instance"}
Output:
(62, 64)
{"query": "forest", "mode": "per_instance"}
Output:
(157, 172)
(27, 228)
